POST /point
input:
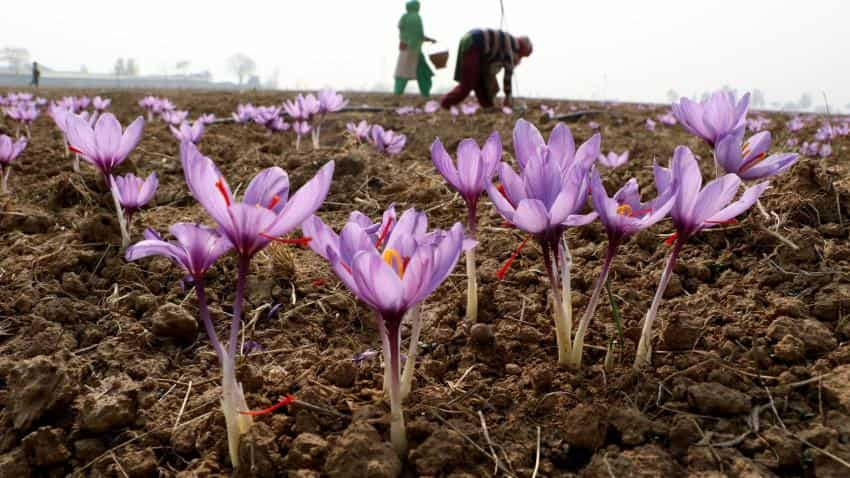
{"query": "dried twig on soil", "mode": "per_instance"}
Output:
(537, 456)
(489, 442)
(182, 407)
(472, 442)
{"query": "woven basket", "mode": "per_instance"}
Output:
(439, 59)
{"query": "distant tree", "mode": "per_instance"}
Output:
(242, 66)
(805, 101)
(672, 96)
(182, 66)
(271, 82)
(757, 100)
(17, 58)
(84, 69)
(791, 106)
(119, 67)
(131, 67)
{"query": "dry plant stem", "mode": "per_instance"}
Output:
(562, 326)
(391, 341)
(471, 270)
(643, 357)
(578, 343)
(29, 134)
(122, 223)
(773, 233)
(297, 142)
(412, 351)
(4, 187)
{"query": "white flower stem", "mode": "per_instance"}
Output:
(392, 358)
(297, 142)
(76, 163)
(4, 187)
(643, 357)
(578, 342)
(122, 222)
(412, 350)
(471, 267)
(232, 402)
(562, 324)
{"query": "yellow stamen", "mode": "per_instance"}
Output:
(745, 149)
(392, 256)
(624, 210)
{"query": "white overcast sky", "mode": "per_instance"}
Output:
(627, 50)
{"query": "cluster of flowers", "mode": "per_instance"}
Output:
(164, 109)
(821, 143)
(385, 141)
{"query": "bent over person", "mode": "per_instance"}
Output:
(481, 55)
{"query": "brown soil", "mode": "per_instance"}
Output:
(98, 358)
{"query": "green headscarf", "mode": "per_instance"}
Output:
(410, 26)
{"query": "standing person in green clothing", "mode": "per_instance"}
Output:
(411, 62)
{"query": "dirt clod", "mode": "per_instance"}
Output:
(439, 453)
(35, 387)
(361, 452)
(46, 446)
(307, 451)
(817, 337)
(716, 399)
(174, 321)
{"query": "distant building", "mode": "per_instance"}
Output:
(84, 79)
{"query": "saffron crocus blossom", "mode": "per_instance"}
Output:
(454, 111)
(265, 213)
(105, 146)
(469, 109)
(593, 125)
(195, 250)
(24, 114)
(545, 198)
(9, 151)
(713, 118)
(189, 132)
(359, 131)
(207, 119)
(613, 160)
(650, 124)
(174, 117)
(101, 104)
(432, 107)
(392, 274)
(759, 123)
(474, 170)
(131, 193)
(667, 118)
(269, 117)
(300, 128)
(244, 113)
(795, 124)
(749, 160)
(59, 115)
(81, 103)
(694, 208)
(825, 150)
(330, 102)
(149, 103)
(387, 141)
(622, 216)
(529, 143)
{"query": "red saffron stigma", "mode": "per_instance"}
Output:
(319, 282)
(274, 202)
(287, 400)
(730, 221)
(670, 240)
(75, 150)
(302, 241)
(504, 270)
(220, 186)
(345, 266)
(384, 233)
(501, 188)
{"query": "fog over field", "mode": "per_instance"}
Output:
(619, 50)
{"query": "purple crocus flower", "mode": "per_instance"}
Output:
(757, 124)
(650, 124)
(81, 103)
(432, 107)
(24, 114)
(469, 108)
(131, 193)
(714, 118)
(668, 119)
(613, 160)
(387, 141)
(188, 132)
(749, 160)
(244, 113)
(622, 216)
(454, 111)
(545, 198)
(825, 150)
(795, 124)
(392, 274)
(269, 117)
(105, 146)
(174, 117)
(9, 151)
(207, 119)
(474, 171)
(405, 110)
(360, 131)
(101, 104)
(195, 250)
(593, 125)
(149, 103)
(529, 143)
(330, 102)
(694, 208)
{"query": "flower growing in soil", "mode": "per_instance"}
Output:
(613, 160)
(431, 107)
(244, 113)
(265, 213)
(386, 141)
(749, 159)
(475, 169)
(23, 114)
(392, 267)
(104, 145)
(195, 250)
(329, 102)
(543, 200)
(189, 132)
(101, 104)
(623, 216)
(359, 131)
(269, 117)
(9, 151)
(131, 193)
(174, 117)
(694, 208)
(151, 105)
(712, 119)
